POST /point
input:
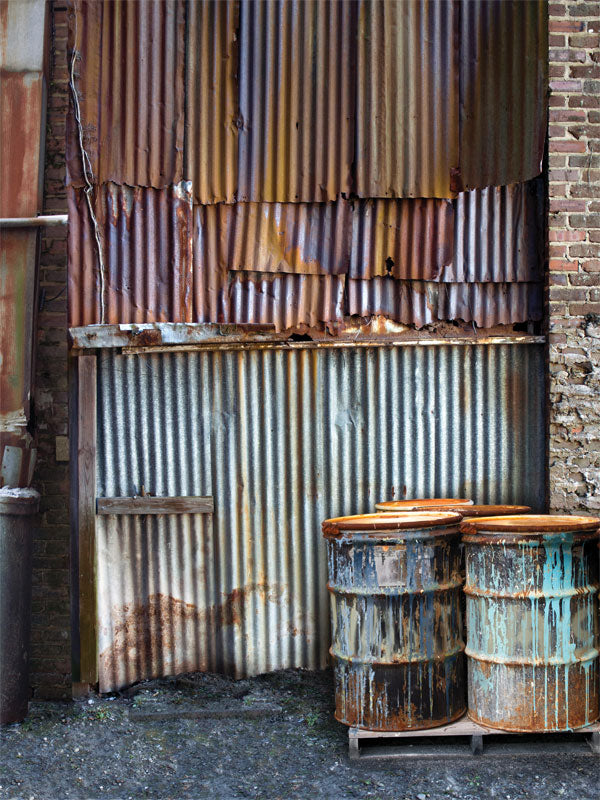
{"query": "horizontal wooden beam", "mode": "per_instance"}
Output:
(154, 505)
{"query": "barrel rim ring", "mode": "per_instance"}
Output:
(530, 524)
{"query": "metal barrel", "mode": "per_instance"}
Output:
(397, 644)
(532, 623)
(17, 509)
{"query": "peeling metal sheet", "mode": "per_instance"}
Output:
(283, 439)
(421, 303)
(146, 242)
(129, 76)
(503, 87)
(297, 76)
(407, 99)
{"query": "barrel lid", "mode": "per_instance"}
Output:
(19, 501)
(423, 504)
(487, 511)
(389, 522)
(530, 523)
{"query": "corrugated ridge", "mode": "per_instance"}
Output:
(130, 79)
(504, 54)
(282, 440)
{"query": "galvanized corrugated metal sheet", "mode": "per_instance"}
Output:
(498, 235)
(129, 76)
(407, 99)
(503, 87)
(420, 303)
(282, 440)
(297, 76)
(146, 255)
(212, 97)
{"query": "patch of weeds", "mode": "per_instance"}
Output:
(101, 714)
(312, 718)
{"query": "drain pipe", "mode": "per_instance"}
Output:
(47, 221)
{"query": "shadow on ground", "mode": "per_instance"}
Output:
(274, 736)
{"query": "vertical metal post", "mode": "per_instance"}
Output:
(86, 518)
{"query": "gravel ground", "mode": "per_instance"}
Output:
(275, 738)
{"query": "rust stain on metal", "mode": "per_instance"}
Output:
(20, 152)
(146, 639)
(409, 674)
(532, 623)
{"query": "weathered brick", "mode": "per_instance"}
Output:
(567, 26)
(561, 265)
(566, 146)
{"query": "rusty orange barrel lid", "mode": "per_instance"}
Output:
(530, 524)
(487, 511)
(388, 523)
(441, 503)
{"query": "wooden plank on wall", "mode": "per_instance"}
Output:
(155, 505)
(86, 510)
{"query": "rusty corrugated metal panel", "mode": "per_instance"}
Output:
(404, 238)
(297, 76)
(212, 97)
(21, 120)
(407, 99)
(532, 622)
(409, 239)
(284, 300)
(498, 235)
(129, 76)
(409, 302)
(489, 304)
(504, 81)
(420, 303)
(146, 244)
(409, 675)
(244, 590)
(300, 238)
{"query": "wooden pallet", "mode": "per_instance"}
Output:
(467, 738)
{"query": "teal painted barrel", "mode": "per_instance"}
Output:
(397, 644)
(532, 623)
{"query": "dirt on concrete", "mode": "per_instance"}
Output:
(197, 736)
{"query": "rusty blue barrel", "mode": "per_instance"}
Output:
(397, 643)
(532, 621)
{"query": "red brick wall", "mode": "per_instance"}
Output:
(50, 648)
(574, 249)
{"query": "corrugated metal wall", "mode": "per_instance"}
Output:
(281, 439)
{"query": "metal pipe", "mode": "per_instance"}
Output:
(47, 221)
